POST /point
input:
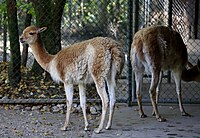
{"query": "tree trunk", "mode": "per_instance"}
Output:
(57, 13)
(14, 74)
(103, 16)
(49, 14)
(5, 40)
(25, 46)
(43, 14)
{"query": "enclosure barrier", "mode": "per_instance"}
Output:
(74, 21)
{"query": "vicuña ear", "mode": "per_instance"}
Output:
(41, 29)
(198, 65)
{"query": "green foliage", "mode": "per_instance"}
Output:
(90, 10)
(92, 18)
(25, 7)
(2, 6)
(3, 12)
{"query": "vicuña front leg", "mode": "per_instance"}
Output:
(69, 95)
(83, 103)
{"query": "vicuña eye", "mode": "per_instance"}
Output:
(31, 33)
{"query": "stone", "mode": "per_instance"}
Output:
(28, 108)
(55, 109)
(45, 108)
(18, 107)
(61, 106)
(35, 108)
(93, 110)
(5, 97)
(98, 108)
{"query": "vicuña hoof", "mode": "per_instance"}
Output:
(161, 119)
(143, 116)
(108, 127)
(185, 114)
(86, 128)
(97, 130)
(63, 128)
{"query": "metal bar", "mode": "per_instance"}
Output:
(170, 14)
(135, 29)
(49, 101)
(196, 19)
(136, 16)
(170, 26)
(32, 101)
(129, 41)
(168, 101)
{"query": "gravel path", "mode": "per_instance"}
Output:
(126, 124)
(37, 124)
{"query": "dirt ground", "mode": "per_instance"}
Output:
(126, 124)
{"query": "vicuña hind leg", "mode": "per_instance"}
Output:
(158, 92)
(69, 95)
(83, 103)
(111, 91)
(177, 78)
(104, 98)
(152, 91)
(138, 79)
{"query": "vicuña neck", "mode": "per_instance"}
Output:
(41, 55)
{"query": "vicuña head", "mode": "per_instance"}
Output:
(30, 34)
(192, 73)
(99, 59)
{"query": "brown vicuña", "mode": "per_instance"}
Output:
(97, 60)
(153, 50)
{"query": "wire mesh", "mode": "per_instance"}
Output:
(184, 15)
(73, 21)
(79, 20)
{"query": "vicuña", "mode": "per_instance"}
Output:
(153, 50)
(97, 60)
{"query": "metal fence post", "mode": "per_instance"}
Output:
(129, 41)
(169, 25)
(131, 26)
(170, 13)
(136, 28)
(196, 19)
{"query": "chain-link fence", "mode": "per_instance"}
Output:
(182, 16)
(68, 22)
(73, 21)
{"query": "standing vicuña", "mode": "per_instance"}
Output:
(155, 49)
(99, 59)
